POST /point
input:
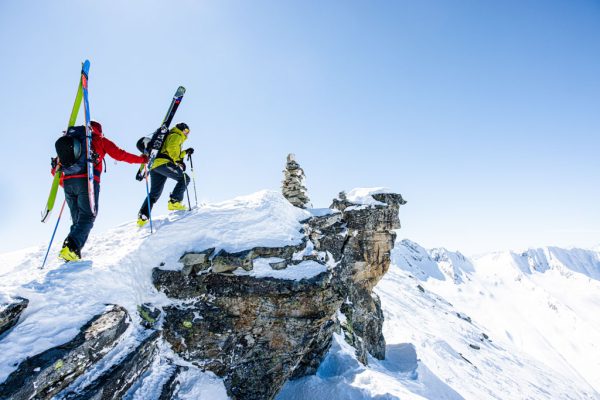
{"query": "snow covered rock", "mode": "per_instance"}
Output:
(10, 313)
(261, 290)
(252, 331)
(114, 383)
(261, 316)
(46, 374)
(196, 262)
(172, 385)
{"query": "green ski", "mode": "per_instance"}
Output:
(56, 180)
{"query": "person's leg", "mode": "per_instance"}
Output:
(85, 218)
(71, 193)
(182, 179)
(179, 189)
(157, 184)
(162, 173)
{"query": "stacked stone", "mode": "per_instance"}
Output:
(293, 183)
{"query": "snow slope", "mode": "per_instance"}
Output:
(118, 271)
(502, 326)
(454, 330)
(541, 306)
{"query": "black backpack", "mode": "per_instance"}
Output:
(146, 144)
(71, 152)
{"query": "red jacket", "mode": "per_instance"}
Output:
(103, 146)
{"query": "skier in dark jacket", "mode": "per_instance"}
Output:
(76, 192)
(168, 164)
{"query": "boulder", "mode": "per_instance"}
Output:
(196, 262)
(10, 313)
(44, 375)
(247, 330)
(149, 314)
(114, 383)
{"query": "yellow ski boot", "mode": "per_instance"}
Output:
(69, 255)
(176, 206)
(142, 220)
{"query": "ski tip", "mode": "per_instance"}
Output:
(180, 91)
(45, 215)
(85, 67)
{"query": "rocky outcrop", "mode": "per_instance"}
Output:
(367, 254)
(256, 318)
(249, 331)
(46, 374)
(293, 186)
(258, 332)
(114, 383)
(10, 313)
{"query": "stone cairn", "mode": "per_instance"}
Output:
(293, 183)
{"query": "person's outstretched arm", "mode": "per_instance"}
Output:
(121, 155)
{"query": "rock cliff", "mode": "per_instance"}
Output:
(255, 318)
(257, 332)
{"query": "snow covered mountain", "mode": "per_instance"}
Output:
(501, 326)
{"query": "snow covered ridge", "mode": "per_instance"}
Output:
(539, 310)
(442, 264)
(455, 328)
(254, 304)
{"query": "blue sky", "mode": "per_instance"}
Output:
(484, 115)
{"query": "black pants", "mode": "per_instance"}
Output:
(158, 178)
(76, 194)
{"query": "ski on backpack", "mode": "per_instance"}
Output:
(88, 136)
(58, 173)
(159, 136)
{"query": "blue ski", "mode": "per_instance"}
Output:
(85, 69)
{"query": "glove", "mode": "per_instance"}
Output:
(145, 157)
(54, 162)
(189, 151)
(181, 165)
(139, 176)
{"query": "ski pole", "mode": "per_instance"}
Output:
(193, 178)
(148, 200)
(54, 232)
(187, 191)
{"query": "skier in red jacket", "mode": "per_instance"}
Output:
(76, 191)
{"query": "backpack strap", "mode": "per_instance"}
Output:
(166, 157)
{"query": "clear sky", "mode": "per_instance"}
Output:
(484, 115)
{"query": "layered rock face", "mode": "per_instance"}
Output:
(367, 251)
(48, 373)
(257, 332)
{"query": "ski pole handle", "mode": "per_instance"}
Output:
(139, 176)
